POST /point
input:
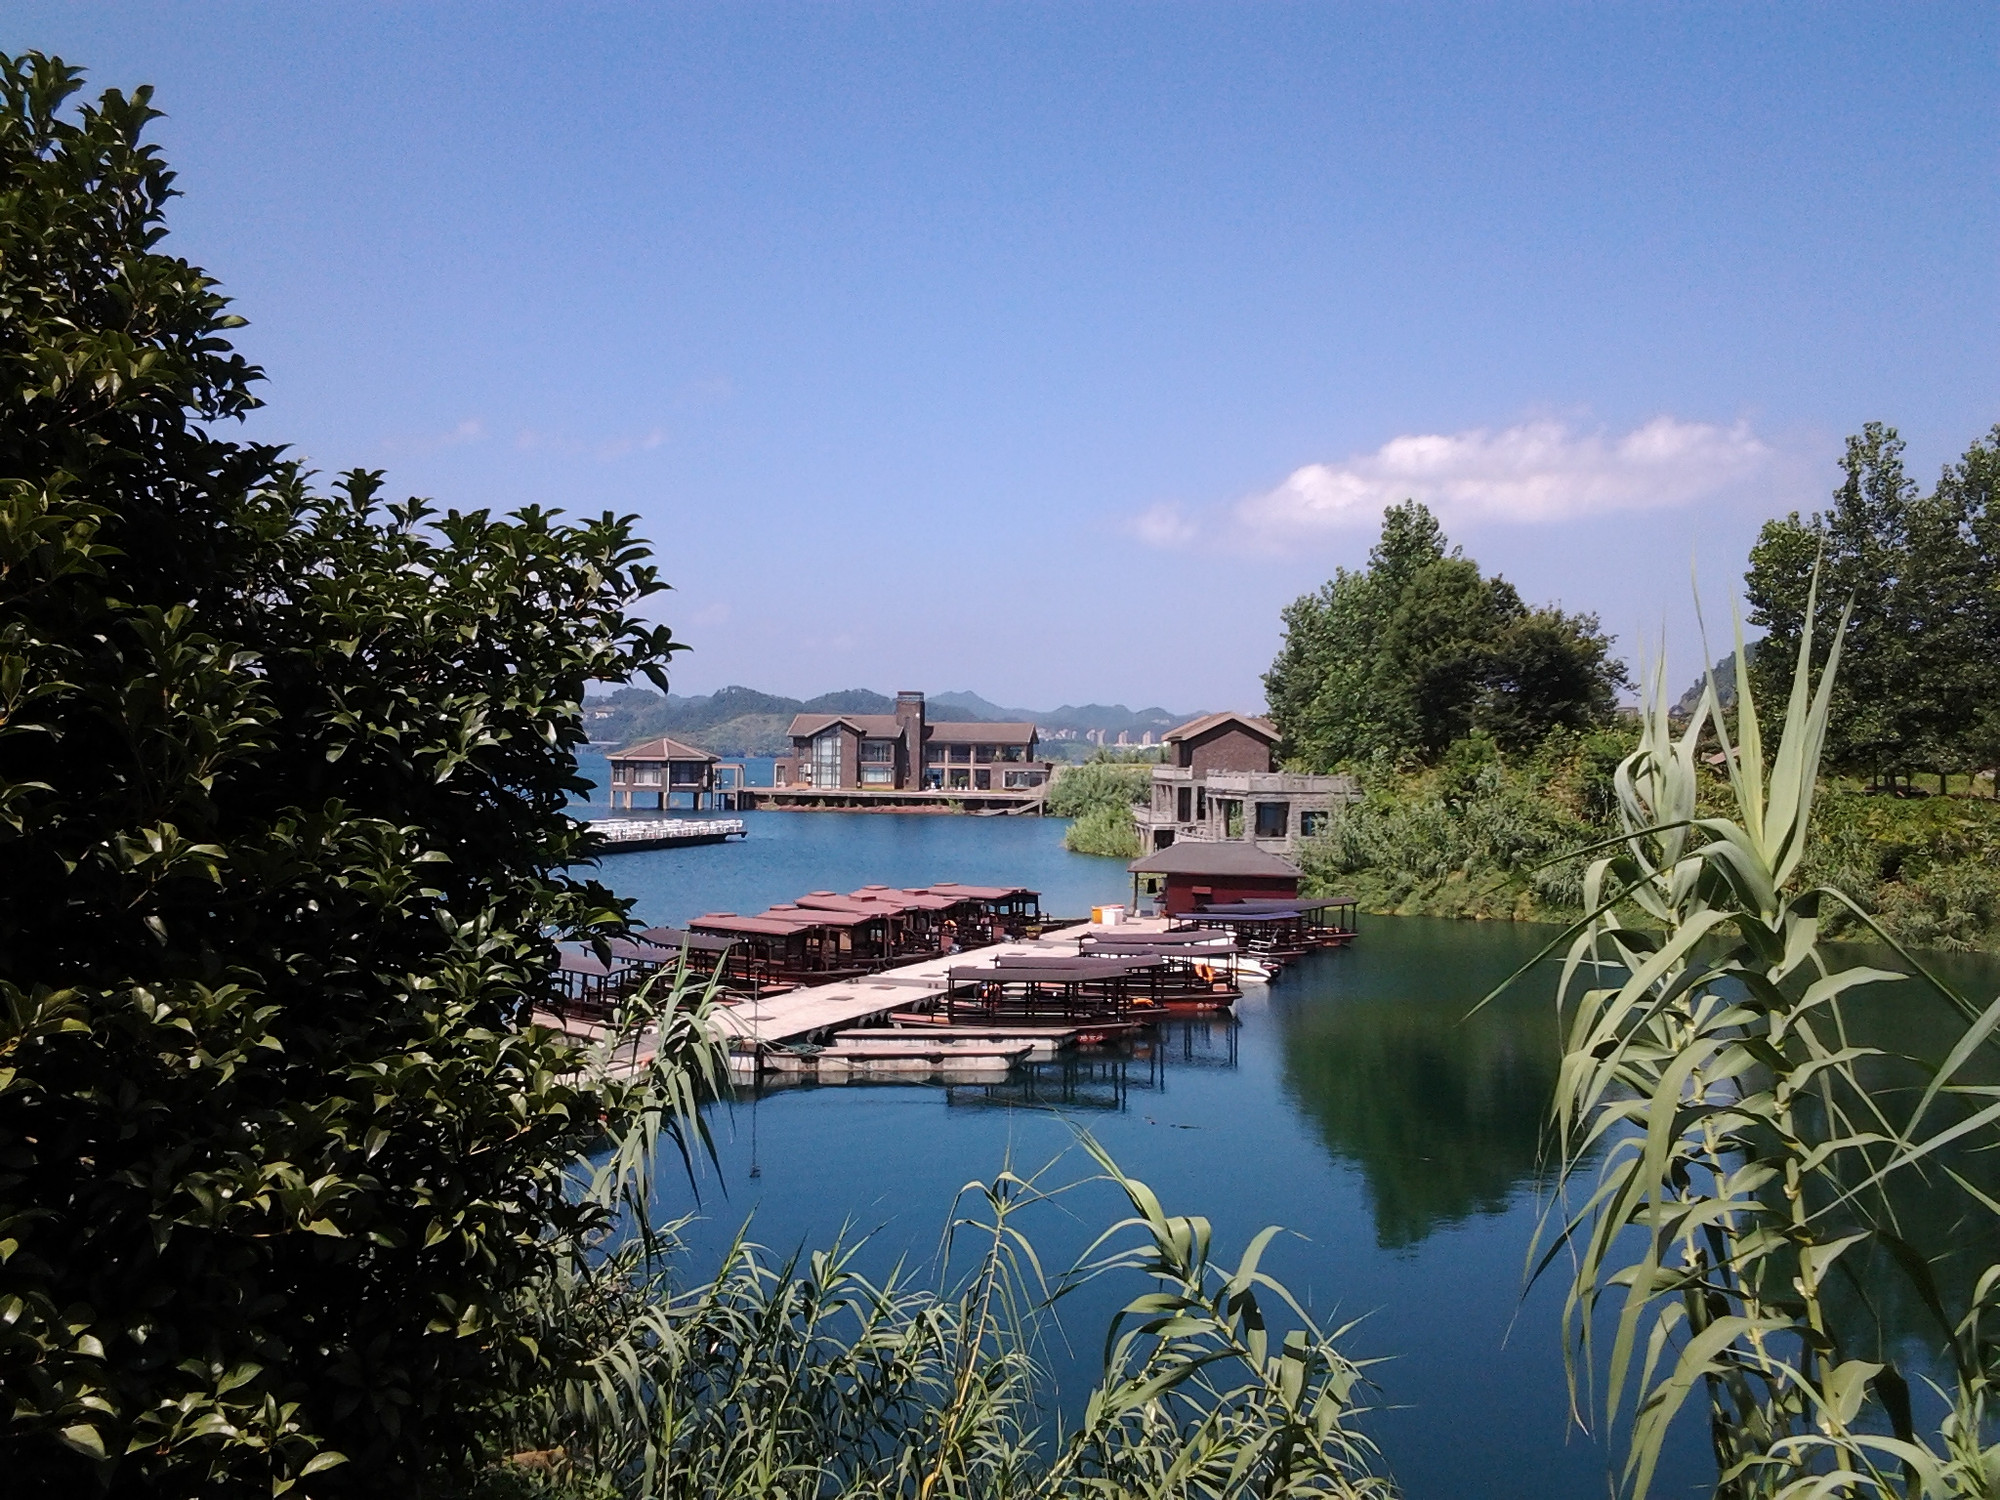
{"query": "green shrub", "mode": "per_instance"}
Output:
(1462, 840)
(1106, 829)
(1099, 783)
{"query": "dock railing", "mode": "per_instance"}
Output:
(646, 830)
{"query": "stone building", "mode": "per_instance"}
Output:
(1221, 782)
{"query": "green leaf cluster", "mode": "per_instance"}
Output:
(1921, 688)
(1419, 649)
(283, 842)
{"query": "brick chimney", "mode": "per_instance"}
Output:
(910, 715)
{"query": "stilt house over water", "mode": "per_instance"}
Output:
(669, 773)
(1221, 783)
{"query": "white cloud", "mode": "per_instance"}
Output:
(1531, 473)
(471, 430)
(1165, 525)
(604, 450)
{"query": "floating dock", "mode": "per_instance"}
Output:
(827, 1016)
(631, 835)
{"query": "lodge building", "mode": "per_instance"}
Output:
(1221, 783)
(902, 752)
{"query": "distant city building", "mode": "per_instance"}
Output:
(1146, 738)
(1124, 736)
(902, 752)
(1221, 783)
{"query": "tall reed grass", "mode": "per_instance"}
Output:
(1738, 1162)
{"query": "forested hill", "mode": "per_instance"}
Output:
(743, 721)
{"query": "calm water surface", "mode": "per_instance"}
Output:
(1353, 1103)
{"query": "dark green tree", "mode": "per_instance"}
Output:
(1918, 672)
(1420, 649)
(283, 842)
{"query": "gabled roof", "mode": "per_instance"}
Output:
(868, 726)
(981, 734)
(1213, 857)
(1264, 729)
(889, 727)
(661, 748)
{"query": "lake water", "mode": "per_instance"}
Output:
(1353, 1102)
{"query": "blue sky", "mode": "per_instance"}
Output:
(1048, 350)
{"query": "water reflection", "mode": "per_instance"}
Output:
(1443, 1113)
(1103, 1079)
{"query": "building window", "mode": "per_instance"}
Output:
(617, 773)
(933, 755)
(1201, 804)
(961, 755)
(934, 781)
(878, 752)
(825, 763)
(1013, 752)
(1232, 817)
(961, 780)
(1312, 824)
(647, 775)
(877, 775)
(684, 773)
(982, 781)
(1186, 799)
(780, 774)
(1014, 780)
(1272, 818)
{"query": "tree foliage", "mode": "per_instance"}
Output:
(1420, 649)
(283, 778)
(1921, 688)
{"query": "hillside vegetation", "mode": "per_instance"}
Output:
(1482, 834)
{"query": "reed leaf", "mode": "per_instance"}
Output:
(1730, 1149)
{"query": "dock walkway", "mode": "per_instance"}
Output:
(808, 1015)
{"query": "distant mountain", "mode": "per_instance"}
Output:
(1724, 672)
(1109, 717)
(970, 708)
(743, 721)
